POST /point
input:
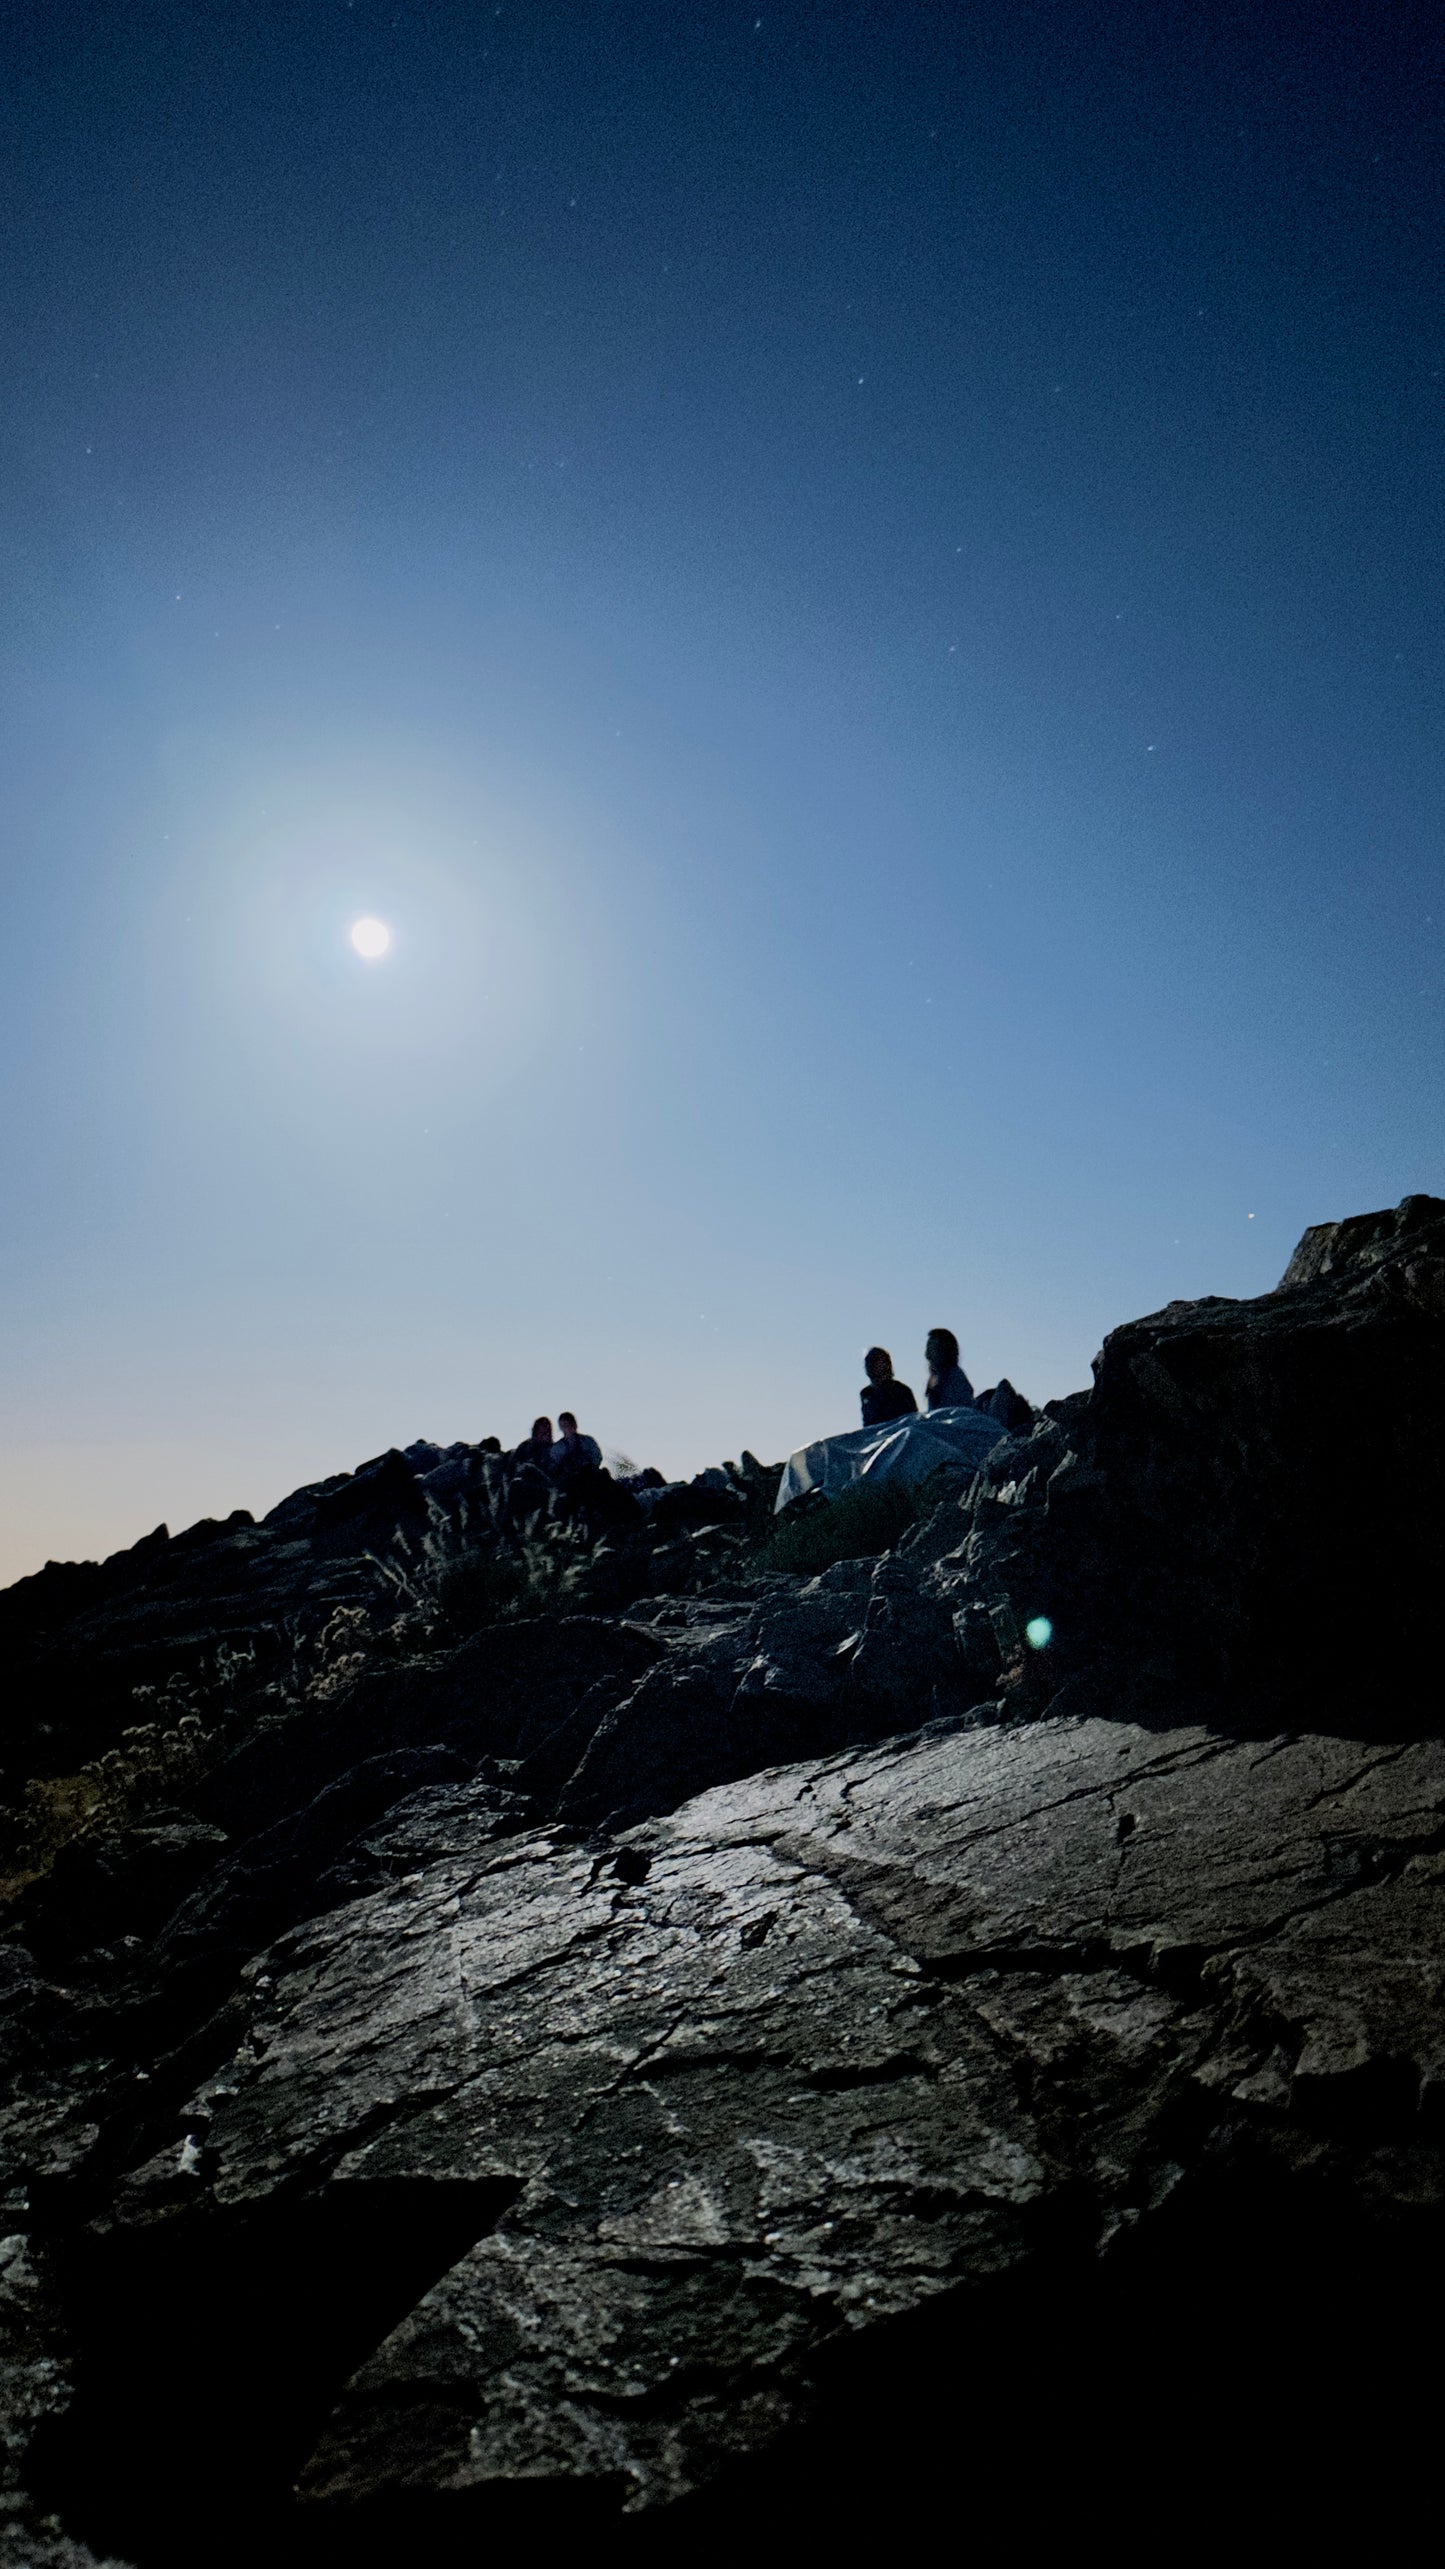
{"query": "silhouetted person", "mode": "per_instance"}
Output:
(573, 1453)
(882, 1397)
(948, 1385)
(535, 1449)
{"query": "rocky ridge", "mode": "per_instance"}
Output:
(692, 2055)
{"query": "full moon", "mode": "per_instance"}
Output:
(371, 937)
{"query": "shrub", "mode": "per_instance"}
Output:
(480, 1590)
(151, 1765)
(552, 1566)
(871, 1518)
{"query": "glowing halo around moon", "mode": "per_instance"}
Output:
(371, 937)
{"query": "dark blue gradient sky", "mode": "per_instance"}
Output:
(860, 585)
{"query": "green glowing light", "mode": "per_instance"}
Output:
(1039, 1632)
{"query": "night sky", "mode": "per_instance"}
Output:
(859, 586)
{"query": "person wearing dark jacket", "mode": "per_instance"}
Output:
(948, 1385)
(882, 1397)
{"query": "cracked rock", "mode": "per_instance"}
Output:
(839, 2042)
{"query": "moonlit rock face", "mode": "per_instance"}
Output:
(371, 937)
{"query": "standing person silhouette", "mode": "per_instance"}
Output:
(883, 1397)
(948, 1386)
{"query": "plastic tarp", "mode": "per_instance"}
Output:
(904, 1449)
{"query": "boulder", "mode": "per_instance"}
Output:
(1240, 1522)
(958, 2059)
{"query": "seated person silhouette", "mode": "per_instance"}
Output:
(536, 1448)
(948, 1386)
(881, 1397)
(573, 1453)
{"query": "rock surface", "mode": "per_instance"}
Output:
(721, 2063)
(1249, 1527)
(828, 2043)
